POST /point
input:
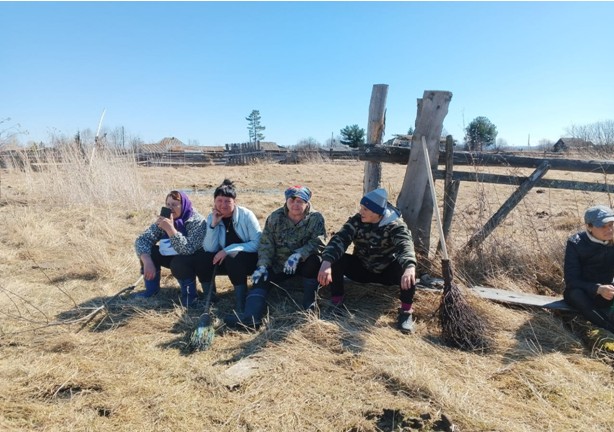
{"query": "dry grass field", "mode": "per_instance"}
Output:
(67, 247)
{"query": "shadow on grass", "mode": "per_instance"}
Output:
(106, 313)
(542, 334)
(366, 304)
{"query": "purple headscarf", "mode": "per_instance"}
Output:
(186, 213)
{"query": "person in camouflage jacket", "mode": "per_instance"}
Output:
(291, 243)
(383, 253)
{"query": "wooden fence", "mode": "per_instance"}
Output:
(233, 154)
(524, 184)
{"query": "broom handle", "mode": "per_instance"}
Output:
(442, 239)
(211, 289)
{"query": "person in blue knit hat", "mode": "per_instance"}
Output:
(293, 238)
(383, 253)
(589, 268)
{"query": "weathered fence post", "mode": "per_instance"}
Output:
(375, 133)
(415, 200)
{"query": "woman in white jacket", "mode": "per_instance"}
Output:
(231, 242)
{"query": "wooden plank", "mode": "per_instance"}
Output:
(517, 180)
(507, 207)
(401, 155)
(518, 298)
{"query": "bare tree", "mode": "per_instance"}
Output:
(600, 133)
(307, 144)
(9, 133)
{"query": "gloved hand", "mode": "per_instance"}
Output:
(292, 263)
(260, 273)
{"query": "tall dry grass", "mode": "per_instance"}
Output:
(68, 246)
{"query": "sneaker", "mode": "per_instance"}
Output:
(405, 321)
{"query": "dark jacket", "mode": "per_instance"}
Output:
(375, 245)
(588, 264)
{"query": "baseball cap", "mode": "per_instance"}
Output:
(598, 215)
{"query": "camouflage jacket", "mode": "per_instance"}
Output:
(184, 244)
(282, 238)
(375, 245)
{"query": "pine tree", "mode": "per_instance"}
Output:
(254, 126)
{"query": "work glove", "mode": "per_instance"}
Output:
(292, 263)
(260, 273)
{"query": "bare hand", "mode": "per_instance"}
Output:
(216, 217)
(606, 291)
(325, 275)
(408, 279)
(149, 269)
(219, 257)
(164, 223)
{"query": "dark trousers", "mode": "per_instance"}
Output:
(595, 309)
(181, 266)
(238, 268)
(308, 269)
(350, 266)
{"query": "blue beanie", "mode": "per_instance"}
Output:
(375, 201)
(301, 192)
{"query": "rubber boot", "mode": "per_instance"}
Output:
(188, 294)
(152, 287)
(251, 318)
(206, 287)
(310, 289)
(240, 293)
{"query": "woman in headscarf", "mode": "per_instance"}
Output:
(294, 235)
(174, 242)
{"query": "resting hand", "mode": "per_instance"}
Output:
(260, 273)
(606, 291)
(325, 275)
(408, 279)
(216, 217)
(149, 269)
(219, 257)
(292, 263)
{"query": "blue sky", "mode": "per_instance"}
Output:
(195, 70)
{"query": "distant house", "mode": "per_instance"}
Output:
(568, 144)
(272, 147)
(163, 146)
(399, 141)
(405, 141)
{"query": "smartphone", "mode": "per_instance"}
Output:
(165, 212)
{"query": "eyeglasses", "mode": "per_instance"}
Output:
(173, 205)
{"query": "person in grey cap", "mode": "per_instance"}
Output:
(589, 267)
(383, 253)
